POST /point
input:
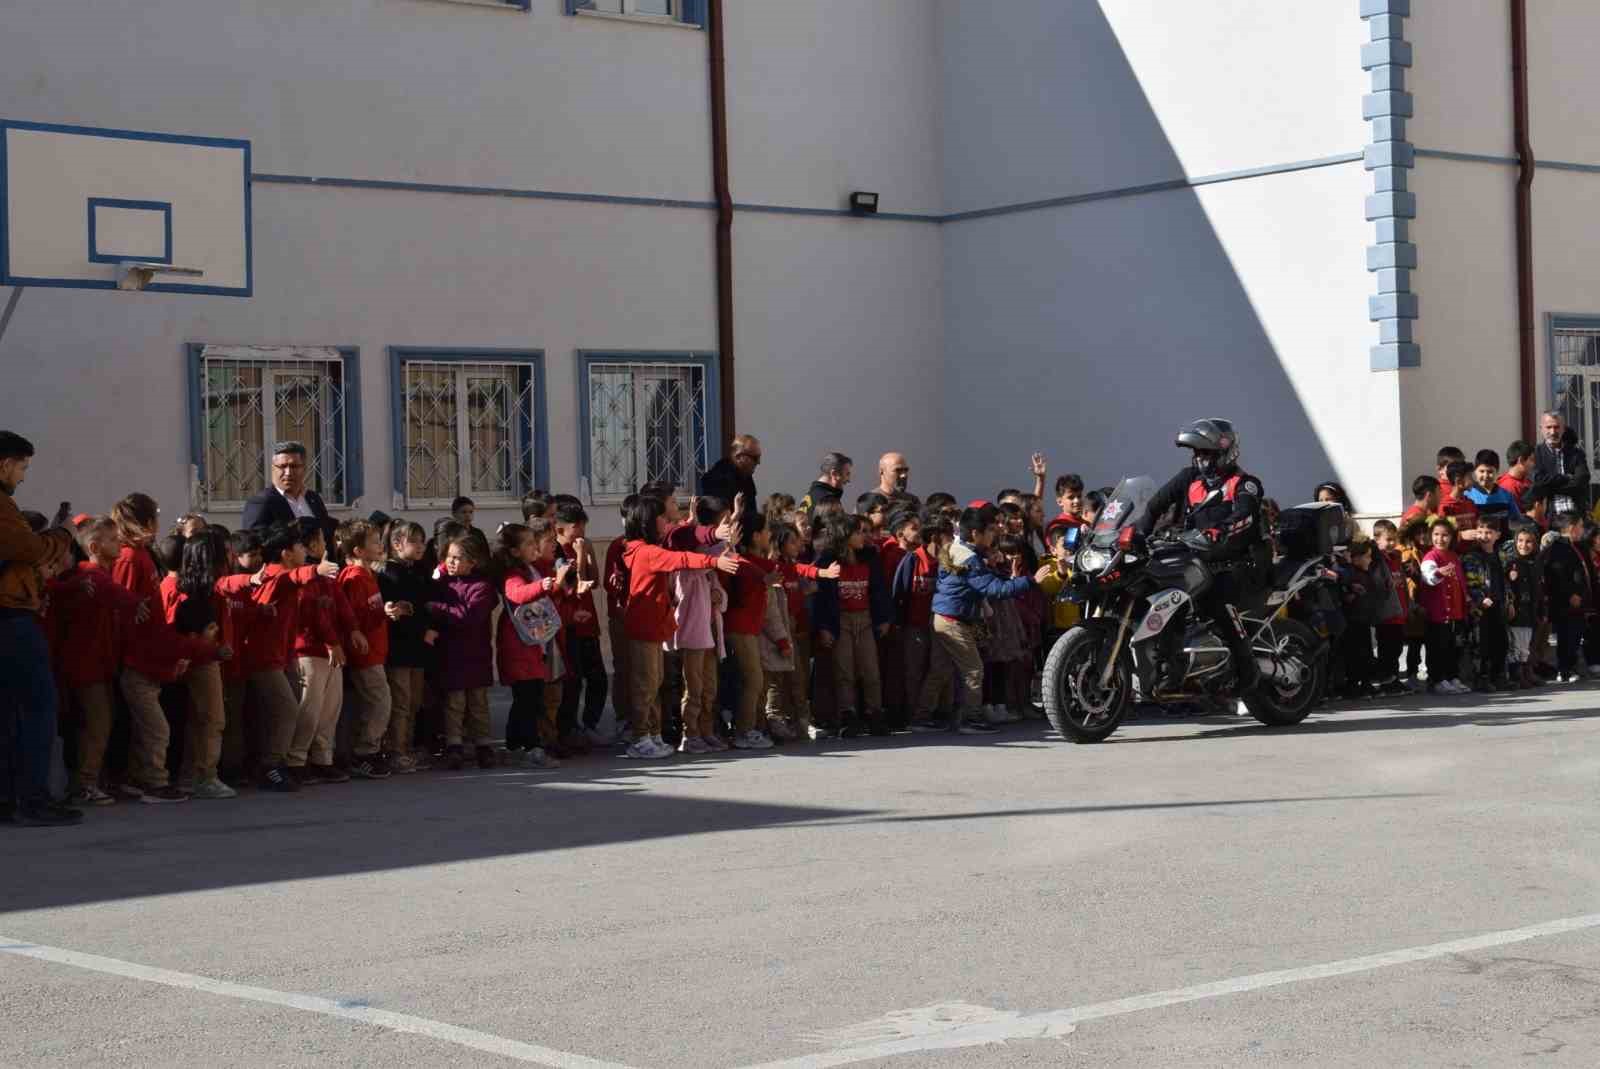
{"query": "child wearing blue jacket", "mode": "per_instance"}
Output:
(965, 584)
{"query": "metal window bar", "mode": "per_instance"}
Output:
(647, 423)
(1577, 383)
(469, 430)
(248, 402)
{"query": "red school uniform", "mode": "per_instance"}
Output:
(747, 596)
(1445, 602)
(616, 580)
(918, 608)
(1397, 569)
(517, 660)
(271, 642)
(649, 617)
(359, 586)
(135, 571)
(580, 617)
(322, 618)
(890, 554)
(87, 620)
(1516, 487)
(855, 582)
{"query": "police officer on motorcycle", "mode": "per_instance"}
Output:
(1222, 506)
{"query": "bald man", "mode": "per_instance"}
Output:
(893, 474)
(735, 474)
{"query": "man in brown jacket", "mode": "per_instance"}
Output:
(27, 688)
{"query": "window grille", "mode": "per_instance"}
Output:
(250, 398)
(468, 430)
(647, 423)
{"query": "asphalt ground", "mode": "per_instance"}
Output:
(1412, 884)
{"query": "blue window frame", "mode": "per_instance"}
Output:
(645, 417)
(689, 12)
(243, 398)
(468, 422)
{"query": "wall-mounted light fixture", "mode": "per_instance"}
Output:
(864, 203)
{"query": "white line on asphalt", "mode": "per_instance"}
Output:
(1061, 1022)
(396, 1022)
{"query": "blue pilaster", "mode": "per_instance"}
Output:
(1390, 157)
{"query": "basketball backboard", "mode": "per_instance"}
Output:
(79, 205)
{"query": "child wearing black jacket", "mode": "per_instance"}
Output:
(406, 582)
(1567, 588)
(1525, 600)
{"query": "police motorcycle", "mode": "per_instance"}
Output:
(1132, 589)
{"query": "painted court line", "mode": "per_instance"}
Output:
(1062, 1022)
(530, 1053)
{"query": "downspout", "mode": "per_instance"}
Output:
(719, 175)
(1527, 164)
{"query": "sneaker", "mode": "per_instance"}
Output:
(280, 779)
(1455, 686)
(46, 814)
(90, 795)
(976, 727)
(212, 790)
(641, 750)
(997, 714)
(714, 744)
(816, 732)
(752, 740)
(663, 747)
(370, 766)
(326, 774)
(538, 758)
(164, 796)
(694, 745)
(402, 764)
(924, 727)
(127, 790)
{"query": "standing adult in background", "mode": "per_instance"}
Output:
(464, 510)
(735, 473)
(894, 474)
(836, 469)
(1559, 468)
(27, 687)
(288, 499)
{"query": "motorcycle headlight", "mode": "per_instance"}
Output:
(1092, 560)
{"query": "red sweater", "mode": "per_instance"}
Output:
(1446, 602)
(360, 589)
(793, 572)
(135, 570)
(648, 617)
(221, 608)
(580, 617)
(918, 607)
(890, 554)
(854, 582)
(517, 660)
(88, 628)
(616, 579)
(322, 619)
(1402, 589)
(747, 596)
(272, 641)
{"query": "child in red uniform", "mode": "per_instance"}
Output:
(914, 584)
(585, 676)
(648, 619)
(615, 580)
(523, 561)
(744, 620)
(1444, 597)
(89, 617)
(195, 606)
(1391, 633)
(787, 699)
(325, 633)
(849, 620)
(362, 547)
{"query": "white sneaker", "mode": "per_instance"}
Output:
(693, 745)
(642, 750)
(662, 747)
(212, 790)
(752, 740)
(538, 758)
(1457, 687)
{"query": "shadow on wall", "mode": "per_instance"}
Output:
(1094, 331)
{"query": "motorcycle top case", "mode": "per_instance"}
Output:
(1307, 531)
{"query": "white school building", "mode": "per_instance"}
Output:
(468, 246)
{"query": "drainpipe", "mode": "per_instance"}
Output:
(1527, 164)
(719, 174)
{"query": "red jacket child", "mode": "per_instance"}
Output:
(747, 596)
(1402, 589)
(615, 579)
(648, 617)
(359, 586)
(1443, 592)
(323, 619)
(88, 618)
(517, 660)
(276, 597)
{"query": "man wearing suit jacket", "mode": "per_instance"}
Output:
(287, 499)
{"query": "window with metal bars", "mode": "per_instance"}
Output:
(645, 418)
(468, 423)
(688, 12)
(1575, 367)
(245, 398)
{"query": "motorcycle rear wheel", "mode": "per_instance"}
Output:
(1073, 699)
(1275, 706)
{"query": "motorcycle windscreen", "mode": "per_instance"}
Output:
(1128, 503)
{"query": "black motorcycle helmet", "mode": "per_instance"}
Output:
(1216, 448)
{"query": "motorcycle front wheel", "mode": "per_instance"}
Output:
(1076, 704)
(1284, 705)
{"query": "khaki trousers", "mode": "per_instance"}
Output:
(321, 698)
(699, 693)
(746, 653)
(466, 717)
(149, 734)
(405, 698)
(855, 662)
(786, 691)
(95, 711)
(208, 716)
(278, 709)
(375, 705)
(955, 652)
(644, 665)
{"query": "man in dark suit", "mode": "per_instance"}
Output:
(287, 499)
(1559, 468)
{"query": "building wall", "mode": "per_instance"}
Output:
(1107, 322)
(827, 97)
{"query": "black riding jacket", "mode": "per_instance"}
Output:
(1233, 510)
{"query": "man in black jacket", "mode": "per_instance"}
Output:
(735, 474)
(836, 469)
(287, 499)
(1560, 469)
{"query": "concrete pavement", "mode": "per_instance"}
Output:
(847, 901)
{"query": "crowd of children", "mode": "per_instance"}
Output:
(192, 664)
(196, 663)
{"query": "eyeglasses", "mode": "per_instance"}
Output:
(293, 465)
(754, 458)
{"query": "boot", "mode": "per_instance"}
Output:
(1247, 674)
